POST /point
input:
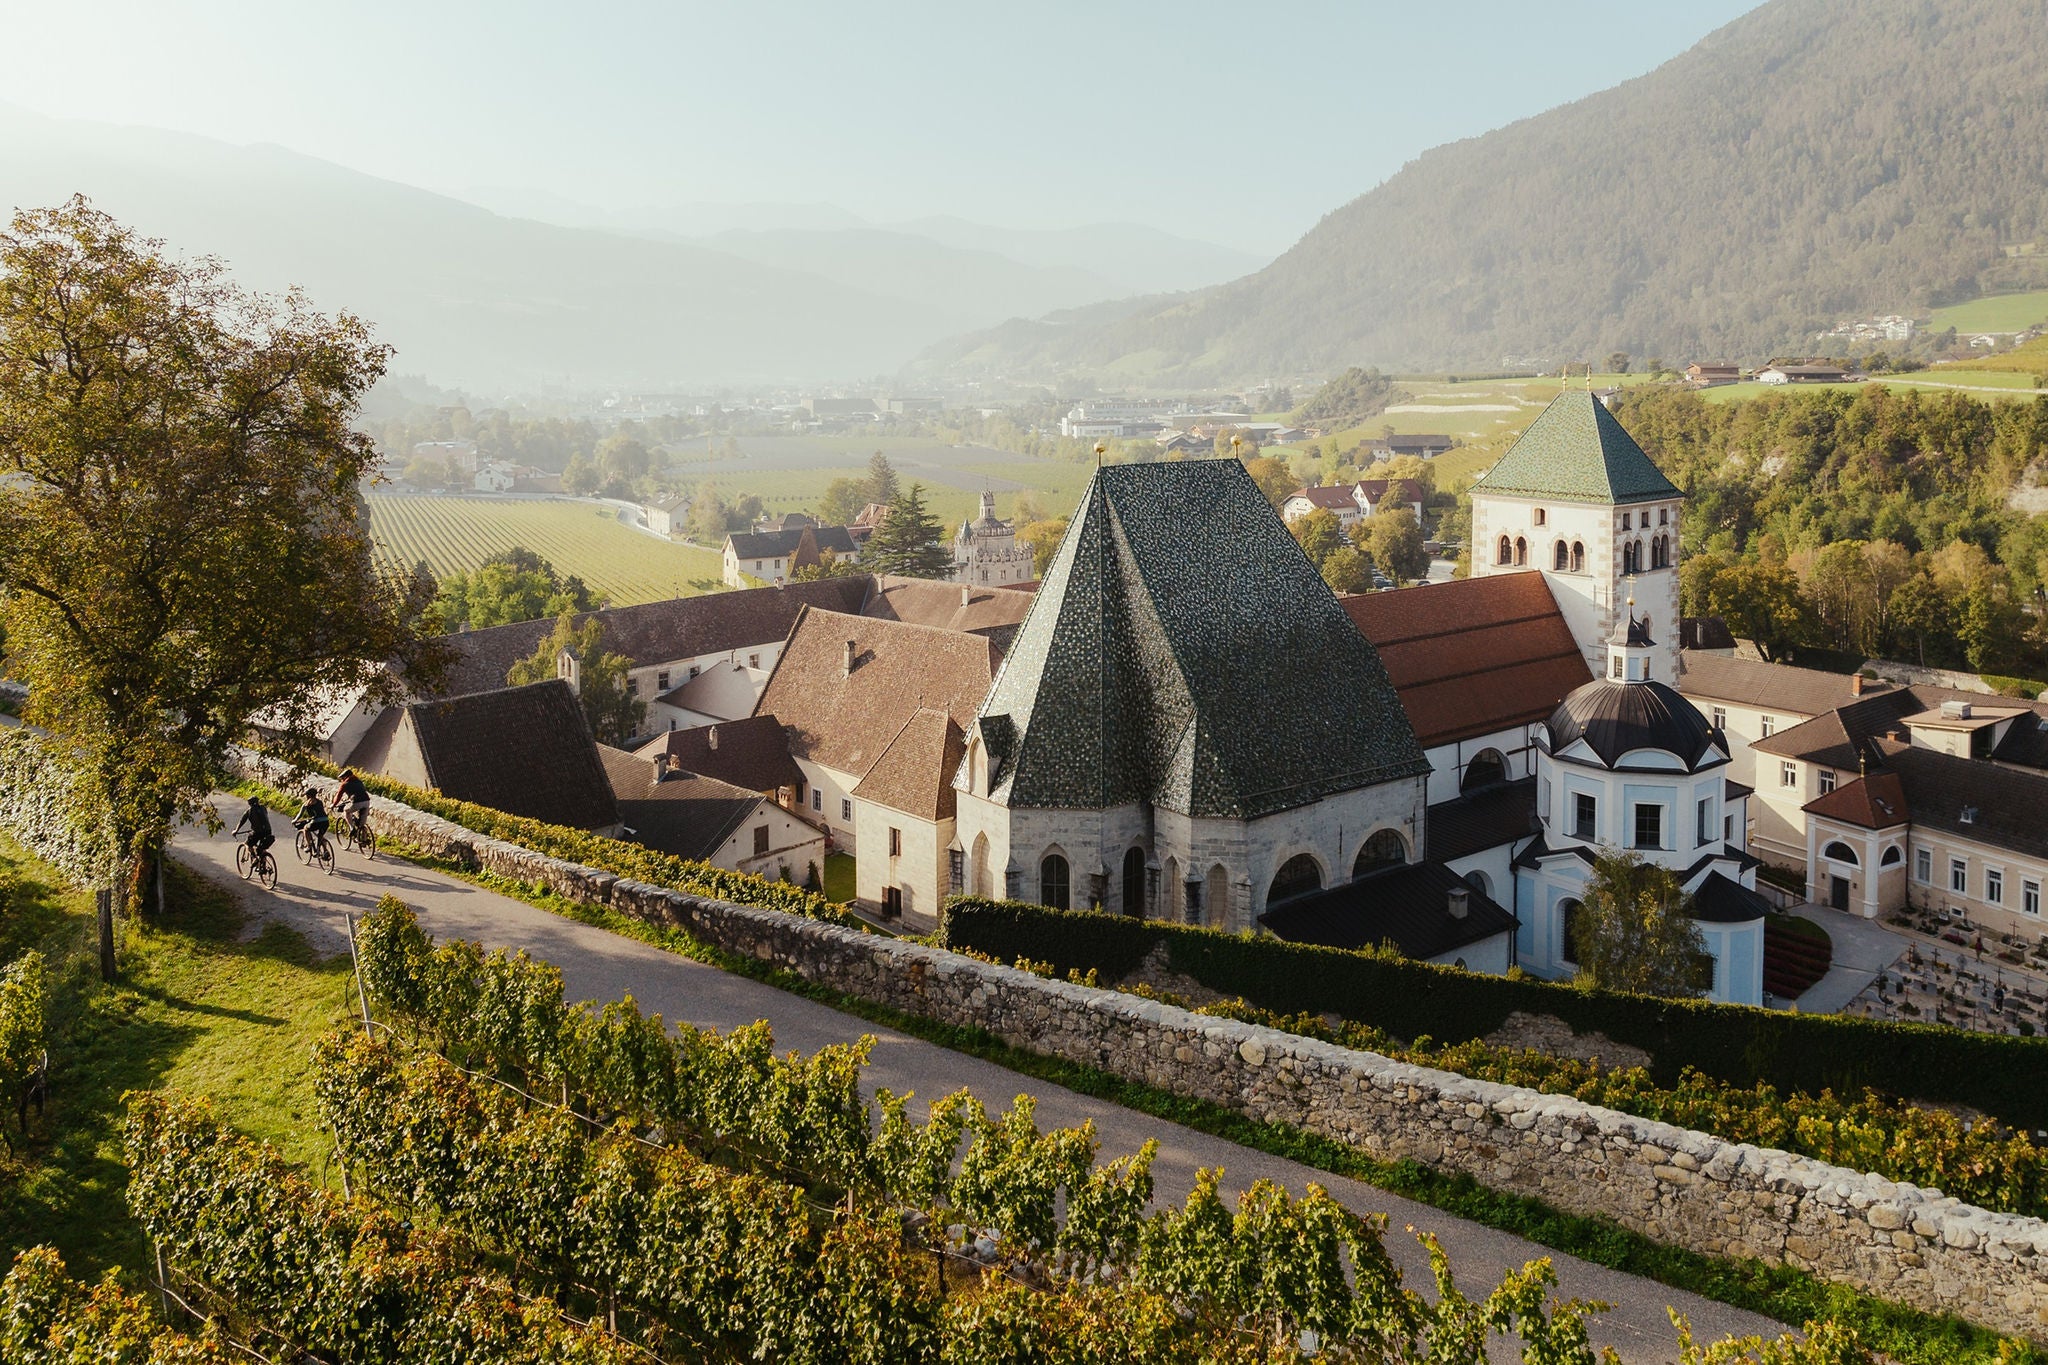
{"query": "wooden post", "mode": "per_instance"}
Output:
(357, 963)
(106, 906)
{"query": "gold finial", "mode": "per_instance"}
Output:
(1100, 451)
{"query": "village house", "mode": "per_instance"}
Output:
(756, 557)
(1423, 445)
(1708, 374)
(752, 753)
(1802, 374)
(667, 517)
(667, 807)
(874, 710)
(1340, 500)
(1376, 495)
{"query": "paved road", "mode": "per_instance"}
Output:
(599, 965)
(1862, 949)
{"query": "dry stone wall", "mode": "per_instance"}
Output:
(1685, 1188)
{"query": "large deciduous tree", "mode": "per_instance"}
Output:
(602, 682)
(1634, 930)
(1394, 538)
(183, 544)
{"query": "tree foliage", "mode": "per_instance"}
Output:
(608, 702)
(1634, 929)
(1348, 400)
(909, 541)
(1044, 538)
(183, 542)
(1319, 534)
(512, 585)
(1394, 538)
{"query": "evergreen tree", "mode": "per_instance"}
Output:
(882, 486)
(909, 541)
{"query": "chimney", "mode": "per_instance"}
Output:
(711, 738)
(850, 650)
(1460, 900)
(1855, 684)
(966, 595)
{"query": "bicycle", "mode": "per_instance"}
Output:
(264, 866)
(314, 849)
(356, 835)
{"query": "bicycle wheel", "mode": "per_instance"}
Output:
(323, 856)
(242, 856)
(266, 871)
(303, 846)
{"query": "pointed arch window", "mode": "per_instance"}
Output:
(1506, 553)
(1521, 550)
(1054, 882)
(1578, 556)
(1561, 556)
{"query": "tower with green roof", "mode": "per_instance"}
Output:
(1577, 500)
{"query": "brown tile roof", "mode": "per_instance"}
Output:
(1874, 801)
(915, 773)
(752, 753)
(1474, 655)
(1331, 496)
(2002, 804)
(846, 720)
(653, 632)
(523, 750)
(1840, 737)
(687, 814)
(1405, 490)
(1747, 682)
(947, 606)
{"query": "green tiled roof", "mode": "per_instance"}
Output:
(1182, 651)
(1576, 452)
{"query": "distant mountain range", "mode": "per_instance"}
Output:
(1815, 161)
(476, 297)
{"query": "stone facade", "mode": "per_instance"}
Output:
(1693, 1190)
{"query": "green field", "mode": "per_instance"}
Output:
(1996, 313)
(456, 534)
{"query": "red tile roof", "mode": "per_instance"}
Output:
(1330, 496)
(1877, 801)
(1472, 656)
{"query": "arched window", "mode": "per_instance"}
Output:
(1486, 768)
(1562, 556)
(1568, 932)
(1053, 881)
(1217, 897)
(1297, 876)
(1840, 852)
(1134, 882)
(981, 879)
(1578, 556)
(1521, 550)
(1385, 849)
(1628, 558)
(1506, 553)
(1478, 882)
(1893, 856)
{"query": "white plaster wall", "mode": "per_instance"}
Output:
(1492, 956)
(919, 870)
(1447, 761)
(834, 787)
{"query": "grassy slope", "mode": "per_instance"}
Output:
(1995, 313)
(195, 1008)
(453, 534)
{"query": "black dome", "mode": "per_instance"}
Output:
(1615, 717)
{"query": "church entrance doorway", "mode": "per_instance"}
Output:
(1838, 892)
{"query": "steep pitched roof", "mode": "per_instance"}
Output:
(1407, 905)
(752, 753)
(687, 814)
(1779, 687)
(915, 773)
(844, 720)
(1332, 497)
(1182, 650)
(1875, 801)
(652, 632)
(523, 750)
(948, 606)
(1473, 655)
(1576, 451)
(778, 544)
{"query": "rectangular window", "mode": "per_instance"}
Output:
(753, 661)
(2030, 897)
(1958, 876)
(632, 687)
(1923, 865)
(818, 799)
(1585, 811)
(1994, 886)
(1649, 826)
(760, 840)
(846, 810)
(895, 842)
(661, 680)
(1706, 827)
(1728, 828)
(1720, 718)
(1614, 667)
(1627, 520)
(1769, 726)
(1827, 781)
(1788, 774)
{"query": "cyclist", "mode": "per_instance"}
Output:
(258, 820)
(312, 815)
(352, 798)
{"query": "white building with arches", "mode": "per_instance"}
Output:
(1187, 725)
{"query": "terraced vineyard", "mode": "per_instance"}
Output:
(456, 534)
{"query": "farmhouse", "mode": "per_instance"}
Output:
(1802, 374)
(756, 557)
(1424, 445)
(667, 807)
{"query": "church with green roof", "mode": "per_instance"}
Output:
(1576, 499)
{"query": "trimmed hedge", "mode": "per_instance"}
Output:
(1739, 1044)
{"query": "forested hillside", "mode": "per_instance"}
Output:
(1815, 160)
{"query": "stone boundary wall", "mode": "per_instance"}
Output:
(1687, 1189)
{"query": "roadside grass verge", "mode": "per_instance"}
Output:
(1790, 1296)
(197, 1006)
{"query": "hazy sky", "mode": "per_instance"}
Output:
(1240, 123)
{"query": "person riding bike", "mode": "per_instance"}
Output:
(352, 798)
(257, 818)
(312, 815)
